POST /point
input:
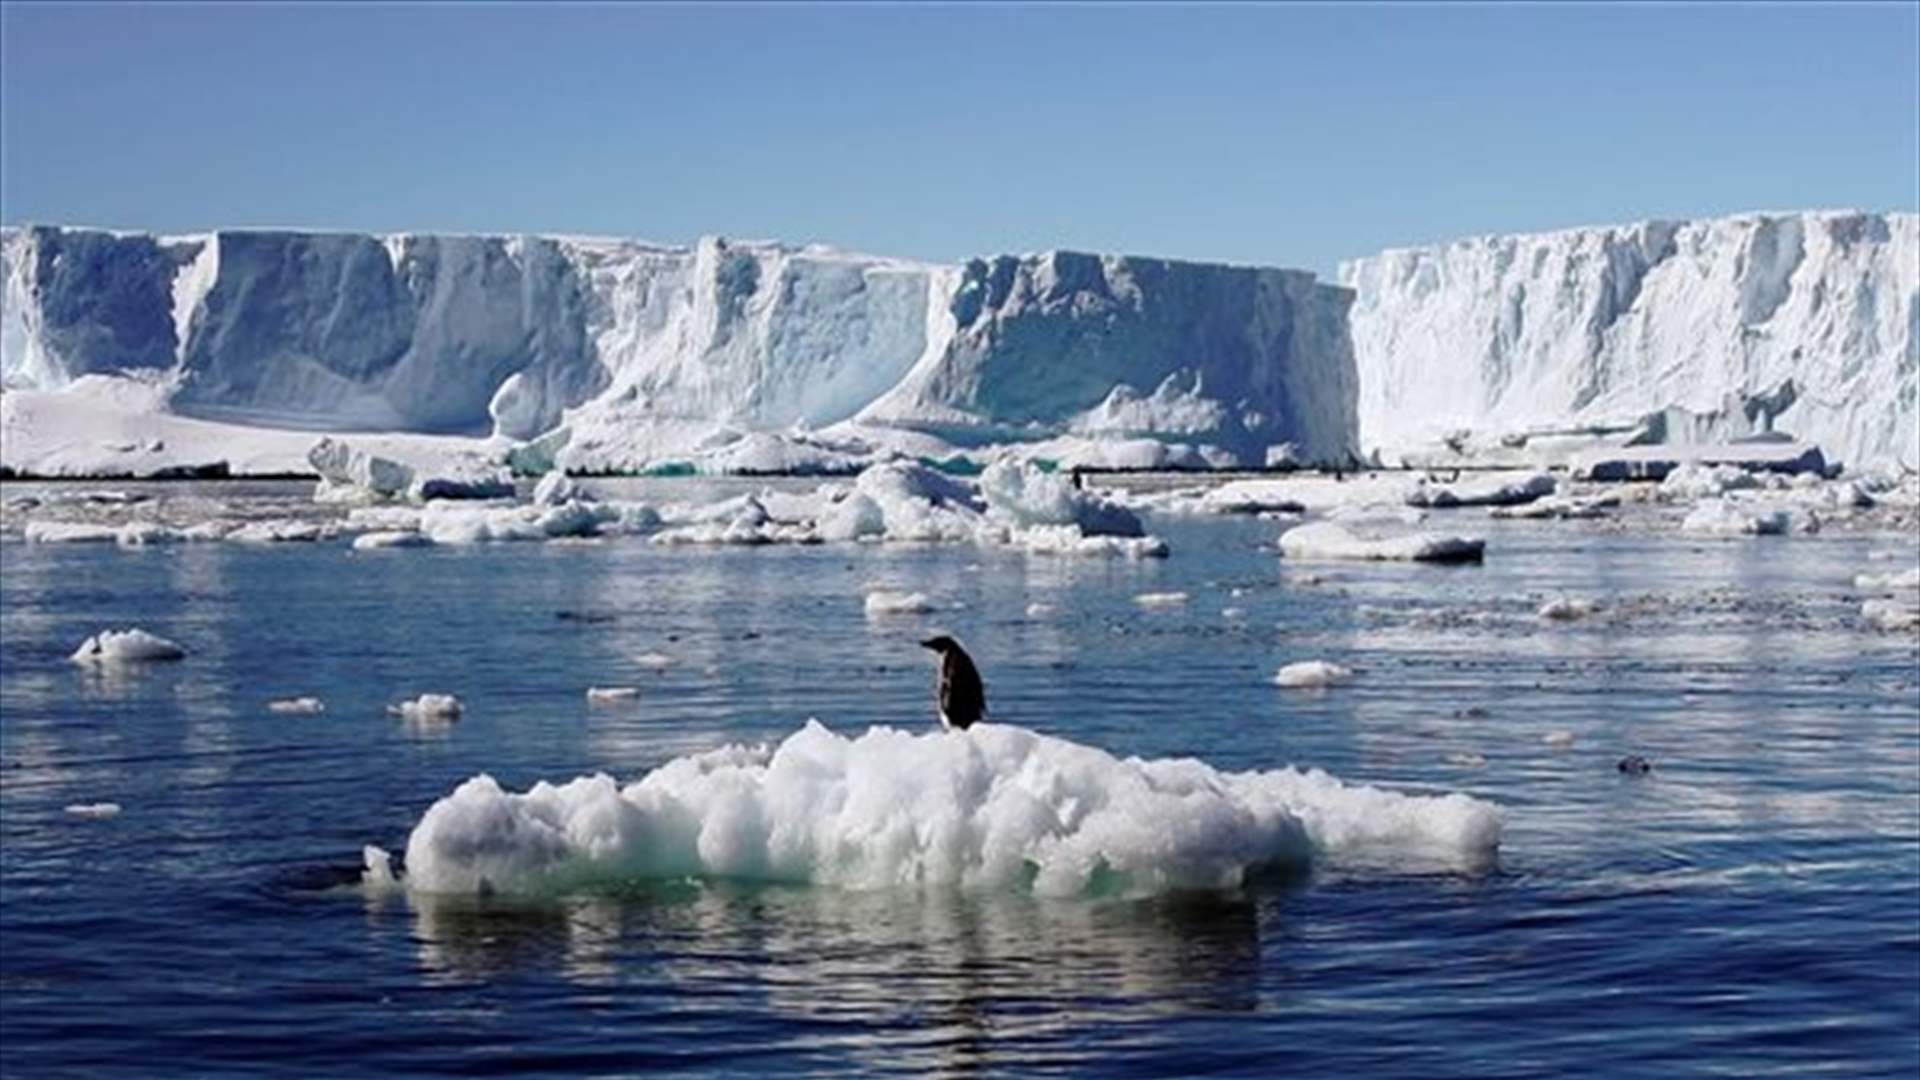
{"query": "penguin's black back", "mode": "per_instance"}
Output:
(963, 700)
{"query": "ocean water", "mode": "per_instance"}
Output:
(1750, 907)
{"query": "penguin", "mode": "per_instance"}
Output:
(961, 697)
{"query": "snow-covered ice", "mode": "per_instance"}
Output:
(1565, 609)
(297, 706)
(1326, 540)
(607, 695)
(94, 809)
(1722, 517)
(1312, 674)
(1161, 599)
(134, 646)
(994, 807)
(889, 602)
(428, 707)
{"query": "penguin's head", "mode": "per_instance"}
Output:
(941, 644)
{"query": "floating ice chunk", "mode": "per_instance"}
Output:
(608, 695)
(378, 872)
(1467, 759)
(1325, 540)
(391, 539)
(1039, 610)
(557, 487)
(94, 809)
(69, 532)
(1565, 609)
(1487, 491)
(995, 806)
(1069, 540)
(1233, 613)
(428, 707)
(653, 660)
(1559, 738)
(1023, 495)
(307, 706)
(884, 602)
(1376, 513)
(1161, 599)
(349, 469)
(1692, 481)
(136, 646)
(854, 517)
(1312, 673)
(1891, 614)
(1560, 507)
(1720, 517)
(1889, 582)
(280, 531)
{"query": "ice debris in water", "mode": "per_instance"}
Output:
(1326, 540)
(298, 705)
(1161, 599)
(428, 707)
(1039, 610)
(94, 809)
(1491, 491)
(885, 602)
(607, 695)
(1892, 615)
(1559, 738)
(1720, 517)
(996, 806)
(1565, 609)
(1312, 673)
(653, 660)
(394, 538)
(1909, 580)
(136, 646)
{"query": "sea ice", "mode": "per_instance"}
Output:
(607, 695)
(1161, 599)
(1312, 674)
(995, 806)
(1565, 609)
(885, 602)
(1893, 615)
(1487, 491)
(299, 705)
(135, 646)
(1326, 540)
(391, 539)
(1720, 517)
(428, 707)
(95, 809)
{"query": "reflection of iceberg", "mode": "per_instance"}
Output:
(996, 808)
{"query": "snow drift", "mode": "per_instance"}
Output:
(995, 807)
(1682, 332)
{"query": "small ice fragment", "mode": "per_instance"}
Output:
(1312, 673)
(605, 695)
(1233, 613)
(134, 646)
(1161, 599)
(1038, 610)
(94, 809)
(1891, 615)
(883, 602)
(305, 705)
(393, 538)
(378, 872)
(1888, 582)
(653, 661)
(1565, 609)
(1466, 759)
(428, 707)
(1559, 737)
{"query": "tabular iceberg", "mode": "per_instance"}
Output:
(1699, 331)
(631, 352)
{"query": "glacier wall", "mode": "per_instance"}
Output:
(1803, 323)
(518, 335)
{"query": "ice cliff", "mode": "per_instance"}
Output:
(1800, 323)
(645, 349)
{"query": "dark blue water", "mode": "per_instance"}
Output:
(1749, 908)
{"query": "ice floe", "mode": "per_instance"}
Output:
(1161, 599)
(887, 602)
(135, 646)
(94, 810)
(1565, 609)
(428, 707)
(1327, 540)
(994, 807)
(1722, 517)
(1312, 674)
(307, 706)
(608, 695)
(1484, 491)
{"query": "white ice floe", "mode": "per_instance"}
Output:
(1069, 540)
(653, 660)
(1559, 738)
(391, 539)
(887, 602)
(94, 809)
(1892, 614)
(1909, 580)
(1024, 496)
(1721, 517)
(428, 707)
(1326, 540)
(307, 706)
(1161, 599)
(607, 695)
(1692, 481)
(556, 488)
(1497, 490)
(1467, 759)
(1560, 508)
(282, 531)
(994, 807)
(135, 646)
(1565, 609)
(69, 532)
(1040, 610)
(1312, 674)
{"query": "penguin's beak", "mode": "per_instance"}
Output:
(930, 643)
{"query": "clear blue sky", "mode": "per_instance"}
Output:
(1288, 135)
